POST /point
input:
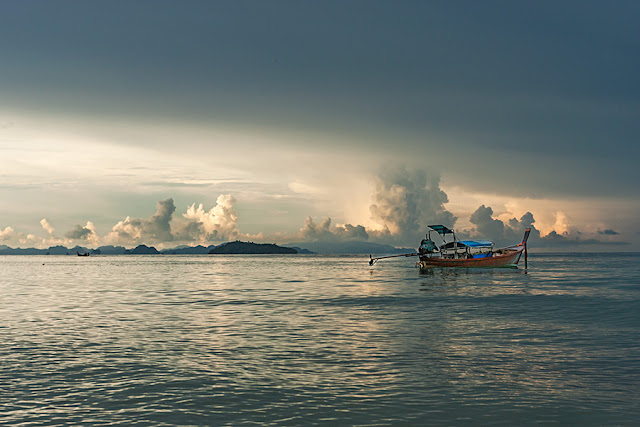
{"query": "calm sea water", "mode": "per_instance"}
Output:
(290, 340)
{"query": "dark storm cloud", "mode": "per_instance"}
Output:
(485, 223)
(79, 232)
(545, 92)
(491, 228)
(554, 239)
(157, 228)
(324, 232)
(513, 230)
(609, 232)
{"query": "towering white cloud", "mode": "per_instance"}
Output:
(157, 228)
(218, 223)
(195, 225)
(404, 203)
(46, 226)
(407, 201)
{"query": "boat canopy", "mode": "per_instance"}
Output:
(441, 229)
(477, 243)
(458, 244)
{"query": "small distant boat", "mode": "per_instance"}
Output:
(84, 254)
(464, 253)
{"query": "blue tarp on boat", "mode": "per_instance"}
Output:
(481, 256)
(477, 243)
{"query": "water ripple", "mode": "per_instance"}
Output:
(234, 340)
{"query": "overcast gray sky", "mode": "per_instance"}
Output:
(298, 109)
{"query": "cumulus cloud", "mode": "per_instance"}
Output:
(404, 203)
(30, 239)
(87, 233)
(157, 228)
(7, 234)
(485, 224)
(218, 223)
(510, 232)
(46, 226)
(502, 233)
(77, 232)
(324, 231)
(407, 201)
(12, 237)
(195, 225)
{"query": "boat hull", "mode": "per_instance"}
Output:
(511, 258)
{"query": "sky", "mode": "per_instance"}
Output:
(168, 123)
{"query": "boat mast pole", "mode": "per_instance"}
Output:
(455, 246)
(525, 255)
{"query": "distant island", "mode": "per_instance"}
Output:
(237, 247)
(142, 250)
(188, 250)
(250, 248)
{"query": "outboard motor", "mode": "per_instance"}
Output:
(427, 246)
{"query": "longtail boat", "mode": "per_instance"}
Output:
(463, 253)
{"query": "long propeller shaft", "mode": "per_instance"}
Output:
(373, 260)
